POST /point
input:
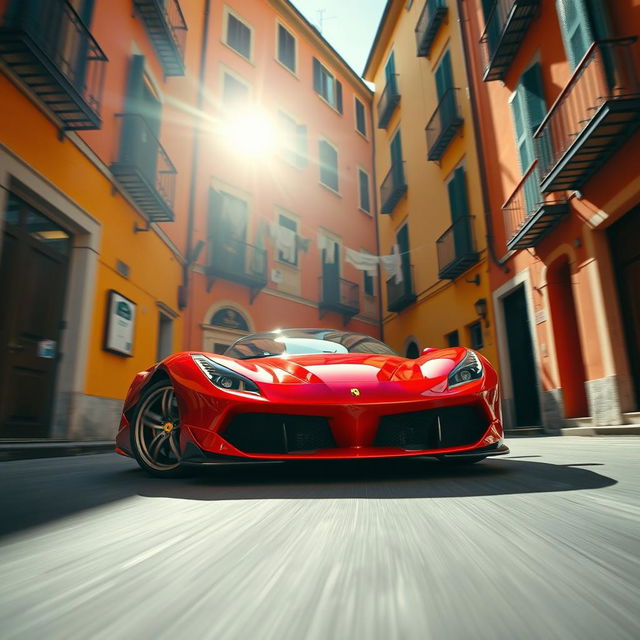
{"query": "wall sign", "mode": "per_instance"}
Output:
(120, 324)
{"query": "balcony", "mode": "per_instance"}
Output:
(168, 32)
(339, 295)
(456, 249)
(505, 27)
(388, 102)
(594, 115)
(433, 13)
(393, 187)
(444, 125)
(528, 215)
(401, 295)
(144, 170)
(238, 261)
(47, 46)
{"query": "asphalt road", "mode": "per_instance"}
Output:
(542, 544)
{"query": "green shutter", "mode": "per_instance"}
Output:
(301, 131)
(339, 96)
(458, 200)
(444, 76)
(390, 73)
(364, 191)
(575, 27)
(317, 76)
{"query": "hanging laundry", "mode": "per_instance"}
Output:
(393, 264)
(302, 244)
(362, 261)
(286, 244)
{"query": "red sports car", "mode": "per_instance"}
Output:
(311, 393)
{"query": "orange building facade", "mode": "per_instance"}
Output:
(284, 177)
(556, 87)
(134, 212)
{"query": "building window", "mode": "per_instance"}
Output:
(326, 85)
(238, 35)
(475, 336)
(165, 336)
(452, 339)
(293, 138)
(287, 251)
(235, 92)
(368, 284)
(328, 156)
(286, 48)
(361, 122)
(363, 184)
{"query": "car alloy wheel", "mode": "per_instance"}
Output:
(156, 432)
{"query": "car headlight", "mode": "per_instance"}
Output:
(469, 369)
(224, 378)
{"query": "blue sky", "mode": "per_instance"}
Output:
(349, 25)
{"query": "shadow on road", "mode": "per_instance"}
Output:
(57, 489)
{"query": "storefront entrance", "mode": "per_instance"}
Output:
(33, 276)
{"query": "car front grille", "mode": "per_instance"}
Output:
(432, 429)
(279, 433)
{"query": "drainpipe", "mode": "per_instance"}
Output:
(191, 252)
(486, 204)
(374, 184)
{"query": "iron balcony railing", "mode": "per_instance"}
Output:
(401, 294)
(457, 249)
(167, 29)
(388, 102)
(339, 295)
(593, 116)
(505, 27)
(433, 13)
(238, 261)
(528, 214)
(144, 169)
(393, 187)
(444, 125)
(46, 44)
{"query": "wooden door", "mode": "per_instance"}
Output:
(33, 278)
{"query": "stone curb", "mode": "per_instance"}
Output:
(32, 450)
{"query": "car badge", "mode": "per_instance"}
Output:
(355, 392)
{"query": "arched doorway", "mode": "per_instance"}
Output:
(223, 325)
(567, 338)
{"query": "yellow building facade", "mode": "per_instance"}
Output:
(96, 129)
(430, 198)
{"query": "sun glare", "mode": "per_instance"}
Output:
(252, 134)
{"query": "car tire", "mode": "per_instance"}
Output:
(462, 460)
(155, 431)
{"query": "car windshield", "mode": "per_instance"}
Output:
(304, 341)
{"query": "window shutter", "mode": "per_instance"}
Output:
(523, 140)
(135, 85)
(339, 96)
(534, 96)
(575, 27)
(364, 191)
(214, 237)
(458, 194)
(317, 76)
(302, 145)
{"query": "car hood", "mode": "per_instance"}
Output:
(352, 368)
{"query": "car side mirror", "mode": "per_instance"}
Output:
(428, 350)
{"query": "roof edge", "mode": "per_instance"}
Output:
(315, 34)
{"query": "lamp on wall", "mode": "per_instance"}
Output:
(481, 309)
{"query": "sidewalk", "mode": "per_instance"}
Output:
(30, 449)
